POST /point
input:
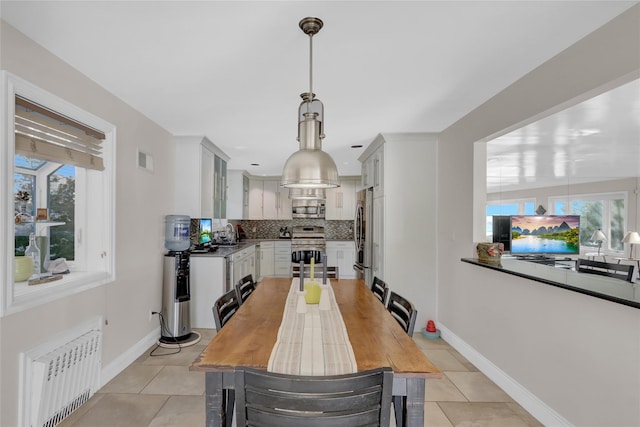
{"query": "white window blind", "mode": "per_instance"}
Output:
(44, 134)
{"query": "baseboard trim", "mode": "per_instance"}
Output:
(536, 407)
(128, 357)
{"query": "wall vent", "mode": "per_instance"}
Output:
(145, 161)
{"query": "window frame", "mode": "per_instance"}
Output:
(521, 202)
(41, 180)
(97, 252)
(47, 189)
(606, 214)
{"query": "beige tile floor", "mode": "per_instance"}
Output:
(160, 391)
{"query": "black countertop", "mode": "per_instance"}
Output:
(224, 250)
(561, 275)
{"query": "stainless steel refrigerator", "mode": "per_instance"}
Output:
(362, 232)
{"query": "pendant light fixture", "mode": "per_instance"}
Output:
(310, 167)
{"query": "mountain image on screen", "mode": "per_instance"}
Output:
(543, 230)
(550, 234)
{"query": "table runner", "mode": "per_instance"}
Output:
(312, 343)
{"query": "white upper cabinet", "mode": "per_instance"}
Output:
(207, 187)
(270, 199)
(219, 187)
(367, 173)
(200, 178)
(373, 172)
(341, 201)
(237, 194)
(267, 200)
(255, 198)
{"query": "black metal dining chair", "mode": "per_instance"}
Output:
(617, 271)
(224, 308)
(403, 311)
(332, 272)
(244, 288)
(270, 399)
(380, 289)
(405, 314)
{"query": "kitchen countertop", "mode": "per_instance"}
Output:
(224, 251)
(560, 274)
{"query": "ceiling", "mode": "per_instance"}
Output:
(594, 140)
(233, 71)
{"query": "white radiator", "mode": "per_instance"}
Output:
(59, 381)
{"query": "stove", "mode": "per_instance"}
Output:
(307, 242)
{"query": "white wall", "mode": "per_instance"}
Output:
(141, 204)
(410, 222)
(579, 355)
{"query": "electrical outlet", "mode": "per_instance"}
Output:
(151, 314)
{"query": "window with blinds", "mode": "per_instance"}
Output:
(44, 134)
(63, 182)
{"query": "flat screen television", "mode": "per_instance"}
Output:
(545, 234)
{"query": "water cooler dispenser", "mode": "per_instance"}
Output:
(175, 319)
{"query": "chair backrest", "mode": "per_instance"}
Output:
(618, 271)
(403, 311)
(270, 399)
(380, 289)
(245, 287)
(225, 307)
(332, 272)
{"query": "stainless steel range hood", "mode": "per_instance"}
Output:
(307, 194)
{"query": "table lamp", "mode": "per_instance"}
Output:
(632, 238)
(598, 237)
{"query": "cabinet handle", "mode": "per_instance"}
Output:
(224, 188)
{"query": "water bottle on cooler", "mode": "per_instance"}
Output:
(176, 235)
(34, 253)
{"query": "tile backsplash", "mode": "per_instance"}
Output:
(270, 229)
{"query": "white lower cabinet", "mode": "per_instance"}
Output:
(342, 254)
(282, 261)
(267, 256)
(243, 265)
(207, 280)
(275, 258)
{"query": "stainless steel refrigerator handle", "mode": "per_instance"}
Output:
(358, 226)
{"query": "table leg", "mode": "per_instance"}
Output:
(214, 399)
(399, 408)
(414, 412)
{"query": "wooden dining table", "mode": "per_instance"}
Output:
(377, 339)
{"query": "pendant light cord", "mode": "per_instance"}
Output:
(310, 73)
